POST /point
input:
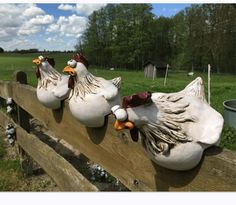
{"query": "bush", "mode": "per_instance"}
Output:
(228, 138)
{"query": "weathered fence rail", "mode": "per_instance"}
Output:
(61, 171)
(118, 155)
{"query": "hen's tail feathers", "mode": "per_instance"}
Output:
(195, 88)
(116, 82)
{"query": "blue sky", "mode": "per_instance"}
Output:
(53, 26)
(166, 10)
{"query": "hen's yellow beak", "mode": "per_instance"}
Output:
(69, 70)
(37, 61)
(123, 125)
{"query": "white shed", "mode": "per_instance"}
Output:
(150, 70)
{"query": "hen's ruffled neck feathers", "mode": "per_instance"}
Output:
(48, 76)
(86, 84)
(167, 132)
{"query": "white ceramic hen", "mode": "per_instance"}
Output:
(52, 86)
(91, 97)
(174, 128)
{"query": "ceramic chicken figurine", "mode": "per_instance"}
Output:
(91, 97)
(52, 86)
(174, 128)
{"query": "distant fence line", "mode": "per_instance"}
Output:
(117, 154)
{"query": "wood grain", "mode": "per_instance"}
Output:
(23, 119)
(61, 171)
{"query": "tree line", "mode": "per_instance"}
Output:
(129, 35)
(35, 50)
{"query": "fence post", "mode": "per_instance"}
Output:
(23, 120)
(209, 84)
(166, 74)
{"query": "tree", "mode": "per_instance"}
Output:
(128, 35)
(162, 50)
(1, 50)
(119, 35)
(179, 34)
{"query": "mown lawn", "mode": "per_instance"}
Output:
(223, 87)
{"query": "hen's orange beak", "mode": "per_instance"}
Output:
(123, 125)
(37, 61)
(69, 70)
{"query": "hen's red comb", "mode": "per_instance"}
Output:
(51, 61)
(137, 99)
(80, 58)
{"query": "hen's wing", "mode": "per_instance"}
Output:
(109, 91)
(61, 91)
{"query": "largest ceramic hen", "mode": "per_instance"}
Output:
(174, 128)
(91, 97)
(52, 86)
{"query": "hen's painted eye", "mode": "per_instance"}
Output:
(41, 58)
(119, 113)
(72, 63)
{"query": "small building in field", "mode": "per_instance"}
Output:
(153, 70)
(150, 70)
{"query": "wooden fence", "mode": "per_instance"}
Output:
(116, 153)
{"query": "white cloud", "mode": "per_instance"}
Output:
(53, 28)
(8, 34)
(66, 7)
(88, 9)
(10, 15)
(28, 30)
(13, 9)
(34, 24)
(56, 42)
(41, 20)
(21, 43)
(24, 26)
(72, 26)
(81, 9)
(21, 19)
(33, 11)
(52, 39)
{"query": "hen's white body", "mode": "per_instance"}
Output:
(92, 97)
(52, 95)
(52, 86)
(176, 128)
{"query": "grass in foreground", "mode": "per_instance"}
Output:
(11, 176)
(228, 138)
(9, 170)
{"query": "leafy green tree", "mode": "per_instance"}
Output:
(128, 35)
(162, 38)
(119, 35)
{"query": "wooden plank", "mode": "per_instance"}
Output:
(23, 119)
(61, 171)
(217, 172)
(22, 116)
(127, 160)
(5, 89)
(100, 145)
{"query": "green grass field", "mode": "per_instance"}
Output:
(223, 87)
